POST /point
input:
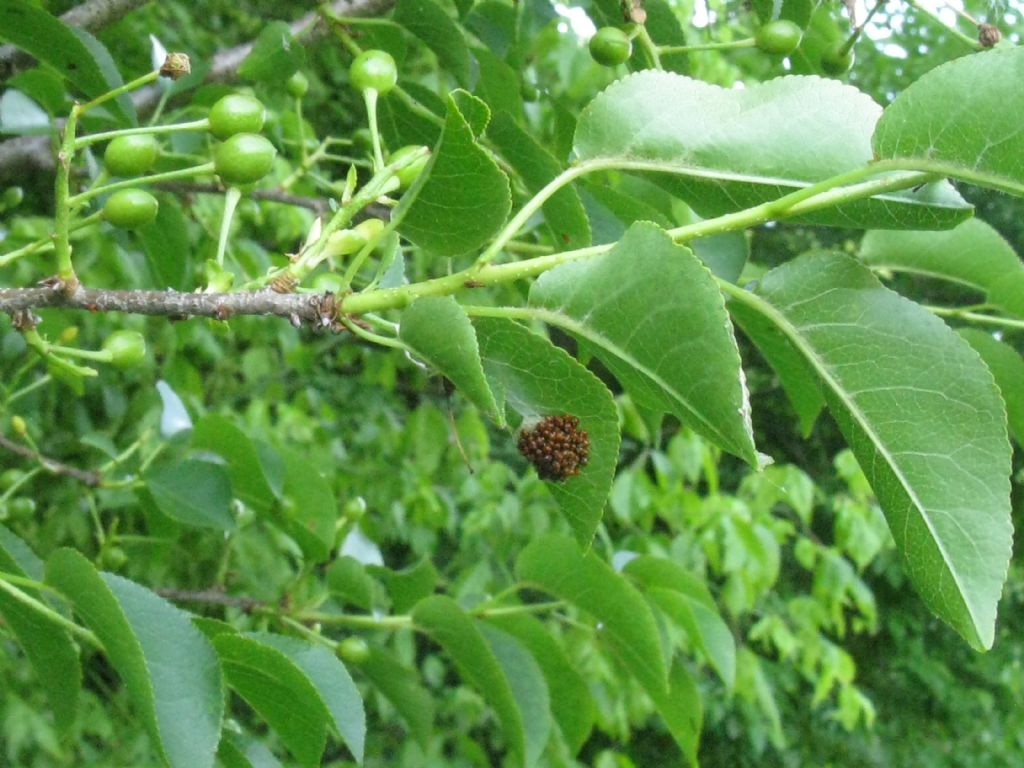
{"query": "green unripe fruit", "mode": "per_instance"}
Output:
(374, 70)
(779, 38)
(835, 59)
(353, 650)
(130, 208)
(344, 241)
(610, 46)
(369, 228)
(12, 197)
(21, 506)
(113, 558)
(362, 139)
(297, 85)
(10, 478)
(329, 282)
(131, 155)
(244, 158)
(236, 113)
(411, 172)
(126, 348)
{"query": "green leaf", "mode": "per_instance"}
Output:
(686, 600)
(556, 565)
(652, 312)
(539, 379)
(245, 468)
(48, 647)
(956, 119)
(349, 582)
(1008, 369)
(275, 56)
(563, 211)
(972, 254)
(238, 752)
(400, 685)
(408, 586)
(427, 20)
(332, 682)
(726, 150)
(497, 84)
(437, 329)
(571, 703)
(682, 710)
(193, 492)
(465, 198)
(279, 691)
(167, 246)
(724, 254)
(452, 629)
(62, 48)
(308, 510)
(529, 689)
(167, 664)
(924, 419)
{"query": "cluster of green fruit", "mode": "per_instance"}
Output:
(241, 157)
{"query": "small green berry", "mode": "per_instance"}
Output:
(244, 158)
(297, 85)
(779, 38)
(10, 478)
(126, 348)
(131, 155)
(236, 113)
(374, 70)
(836, 59)
(130, 208)
(12, 197)
(353, 650)
(610, 46)
(329, 282)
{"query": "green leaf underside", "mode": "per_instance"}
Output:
(47, 646)
(1008, 369)
(563, 211)
(571, 703)
(427, 20)
(972, 254)
(309, 509)
(168, 666)
(333, 683)
(465, 198)
(279, 691)
(925, 420)
(965, 114)
(400, 685)
(654, 315)
(539, 379)
(686, 600)
(529, 689)
(438, 330)
(454, 630)
(193, 492)
(726, 150)
(275, 55)
(72, 53)
(167, 246)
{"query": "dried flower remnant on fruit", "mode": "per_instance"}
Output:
(988, 35)
(176, 66)
(556, 446)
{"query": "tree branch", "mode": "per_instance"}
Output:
(27, 154)
(52, 466)
(320, 310)
(315, 204)
(212, 597)
(91, 16)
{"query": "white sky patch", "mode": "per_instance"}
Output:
(576, 20)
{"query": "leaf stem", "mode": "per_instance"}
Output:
(7, 585)
(977, 317)
(747, 42)
(128, 87)
(95, 138)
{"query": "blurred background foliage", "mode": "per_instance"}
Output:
(838, 662)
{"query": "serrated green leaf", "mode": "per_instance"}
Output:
(571, 703)
(427, 20)
(529, 689)
(437, 329)
(961, 119)
(497, 83)
(454, 630)
(279, 691)
(653, 314)
(726, 150)
(400, 685)
(332, 682)
(539, 379)
(168, 666)
(557, 565)
(308, 510)
(563, 211)
(193, 492)
(408, 586)
(248, 477)
(60, 47)
(924, 419)
(972, 254)
(275, 55)
(686, 600)
(465, 198)
(1007, 367)
(48, 647)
